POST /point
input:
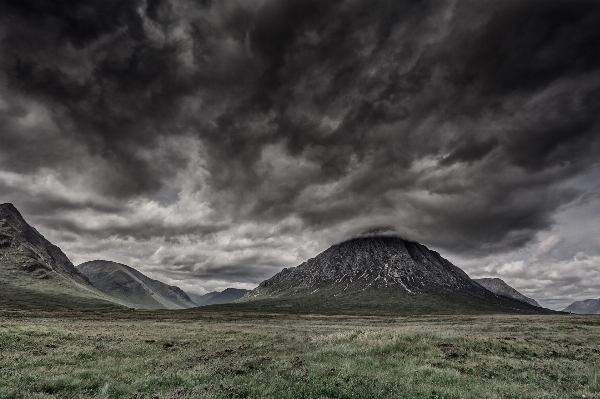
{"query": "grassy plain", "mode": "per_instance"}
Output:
(202, 354)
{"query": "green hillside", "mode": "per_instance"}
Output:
(35, 273)
(127, 285)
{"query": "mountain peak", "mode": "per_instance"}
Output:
(372, 260)
(387, 272)
(34, 252)
(32, 267)
(8, 210)
(587, 306)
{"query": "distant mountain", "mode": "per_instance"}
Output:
(128, 286)
(201, 300)
(587, 306)
(498, 286)
(215, 298)
(35, 273)
(378, 275)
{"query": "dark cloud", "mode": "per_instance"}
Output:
(252, 268)
(461, 123)
(93, 66)
(527, 44)
(470, 151)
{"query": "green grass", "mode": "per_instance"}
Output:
(381, 301)
(198, 354)
(41, 287)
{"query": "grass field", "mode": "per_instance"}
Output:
(197, 354)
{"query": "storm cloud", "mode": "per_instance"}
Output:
(224, 140)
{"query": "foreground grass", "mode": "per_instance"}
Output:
(127, 354)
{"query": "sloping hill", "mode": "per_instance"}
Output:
(127, 285)
(587, 306)
(202, 300)
(498, 286)
(35, 273)
(216, 298)
(378, 275)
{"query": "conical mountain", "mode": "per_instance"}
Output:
(33, 272)
(127, 285)
(379, 274)
(498, 286)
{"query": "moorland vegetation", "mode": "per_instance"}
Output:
(115, 353)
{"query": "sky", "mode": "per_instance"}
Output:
(209, 144)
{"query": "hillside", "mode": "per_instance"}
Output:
(378, 275)
(216, 298)
(587, 306)
(129, 286)
(201, 300)
(498, 286)
(35, 273)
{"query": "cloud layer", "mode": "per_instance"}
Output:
(213, 143)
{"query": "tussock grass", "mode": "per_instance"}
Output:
(174, 354)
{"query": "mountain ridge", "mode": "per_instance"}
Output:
(499, 286)
(587, 306)
(133, 288)
(35, 272)
(217, 298)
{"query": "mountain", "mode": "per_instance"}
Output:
(216, 298)
(587, 306)
(498, 286)
(201, 300)
(128, 286)
(35, 273)
(378, 275)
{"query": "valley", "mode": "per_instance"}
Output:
(296, 199)
(113, 353)
(370, 317)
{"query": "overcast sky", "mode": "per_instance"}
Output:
(209, 144)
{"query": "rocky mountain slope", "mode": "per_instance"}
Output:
(132, 288)
(33, 272)
(587, 306)
(498, 286)
(215, 298)
(379, 274)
